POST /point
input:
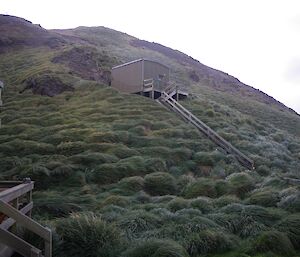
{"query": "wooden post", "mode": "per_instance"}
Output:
(29, 200)
(1, 87)
(15, 204)
(35, 252)
(152, 91)
(48, 245)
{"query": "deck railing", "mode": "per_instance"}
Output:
(15, 209)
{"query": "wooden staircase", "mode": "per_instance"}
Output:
(168, 101)
(15, 209)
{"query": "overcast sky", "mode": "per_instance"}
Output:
(257, 41)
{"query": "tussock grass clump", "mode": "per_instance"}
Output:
(204, 204)
(169, 133)
(183, 181)
(187, 213)
(163, 213)
(208, 241)
(291, 202)
(117, 200)
(162, 199)
(156, 248)
(263, 170)
(122, 151)
(142, 197)
(278, 137)
(136, 222)
(112, 213)
(92, 158)
(160, 183)
(208, 158)
(178, 203)
(230, 222)
(247, 227)
(131, 184)
(202, 187)
(222, 187)
(241, 183)
(18, 147)
(71, 148)
(266, 216)
(46, 178)
(275, 242)
(233, 208)
(225, 200)
(241, 225)
(88, 235)
(132, 166)
(179, 155)
(291, 226)
(204, 158)
(267, 198)
(109, 137)
(55, 208)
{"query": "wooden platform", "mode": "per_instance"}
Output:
(15, 209)
(155, 90)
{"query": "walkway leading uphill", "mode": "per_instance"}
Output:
(167, 100)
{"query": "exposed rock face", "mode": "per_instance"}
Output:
(46, 84)
(87, 63)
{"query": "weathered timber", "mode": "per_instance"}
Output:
(167, 100)
(12, 196)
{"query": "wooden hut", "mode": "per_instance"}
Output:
(141, 76)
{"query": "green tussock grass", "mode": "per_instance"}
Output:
(118, 175)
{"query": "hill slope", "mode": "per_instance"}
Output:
(95, 152)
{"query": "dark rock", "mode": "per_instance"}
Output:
(46, 84)
(87, 63)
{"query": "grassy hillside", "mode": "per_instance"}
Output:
(119, 175)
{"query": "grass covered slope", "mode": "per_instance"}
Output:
(128, 178)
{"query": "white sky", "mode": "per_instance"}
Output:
(257, 41)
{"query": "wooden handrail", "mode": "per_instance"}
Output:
(18, 244)
(6, 224)
(26, 221)
(167, 99)
(16, 191)
(19, 216)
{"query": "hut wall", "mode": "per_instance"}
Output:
(128, 78)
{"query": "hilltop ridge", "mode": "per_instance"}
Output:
(18, 32)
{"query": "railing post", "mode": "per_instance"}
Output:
(15, 204)
(152, 92)
(48, 245)
(29, 199)
(35, 253)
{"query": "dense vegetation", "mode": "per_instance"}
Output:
(119, 175)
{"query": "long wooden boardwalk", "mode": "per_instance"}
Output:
(167, 100)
